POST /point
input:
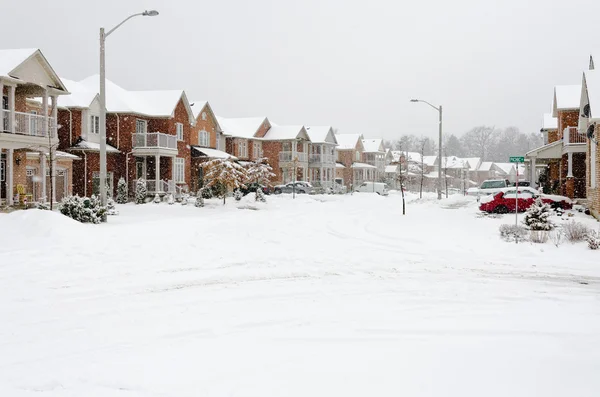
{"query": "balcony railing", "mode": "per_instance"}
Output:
(29, 124)
(156, 140)
(571, 135)
(321, 158)
(290, 156)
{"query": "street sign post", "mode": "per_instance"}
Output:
(517, 160)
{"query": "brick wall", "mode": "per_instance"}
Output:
(346, 157)
(593, 194)
(209, 124)
(262, 131)
(552, 136)
(271, 151)
(567, 118)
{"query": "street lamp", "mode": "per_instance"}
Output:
(439, 109)
(103, 36)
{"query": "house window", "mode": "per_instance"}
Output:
(257, 150)
(179, 128)
(203, 115)
(357, 156)
(141, 126)
(179, 170)
(94, 124)
(242, 148)
(286, 147)
(204, 138)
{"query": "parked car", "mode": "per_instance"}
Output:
(372, 187)
(490, 186)
(301, 188)
(522, 183)
(252, 187)
(505, 201)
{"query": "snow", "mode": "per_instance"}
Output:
(566, 97)
(321, 134)
(92, 146)
(453, 162)
(285, 132)
(213, 153)
(486, 166)
(429, 160)
(335, 295)
(507, 168)
(242, 127)
(197, 108)
(474, 163)
(338, 165)
(362, 165)
(11, 59)
(592, 82)
(373, 146)
(549, 122)
(391, 169)
(347, 141)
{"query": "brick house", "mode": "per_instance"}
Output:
(147, 136)
(322, 156)
(243, 136)
(353, 171)
(564, 156)
(28, 131)
(589, 120)
(286, 148)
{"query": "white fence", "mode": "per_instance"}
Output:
(155, 140)
(291, 156)
(29, 124)
(321, 158)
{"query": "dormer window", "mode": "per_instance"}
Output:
(94, 124)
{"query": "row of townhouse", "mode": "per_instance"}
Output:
(568, 161)
(457, 173)
(160, 136)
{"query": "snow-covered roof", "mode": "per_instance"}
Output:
(59, 154)
(453, 162)
(321, 134)
(429, 160)
(592, 86)
(92, 147)
(473, 162)
(212, 153)
(485, 166)
(391, 169)
(373, 145)
(285, 132)
(362, 165)
(507, 168)
(11, 60)
(414, 157)
(434, 174)
(157, 103)
(566, 97)
(549, 122)
(197, 107)
(241, 127)
(347, 141)
(81, 96)
(338, 165)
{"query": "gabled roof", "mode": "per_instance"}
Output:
(321, 134)
(212, 153)
(12, 60)
(474, 163)
(591, 81)
(549, 122)
(82, 144)
(566, 97)
(286, 132)
(81, 96)
(429, 160)
(241, 127)
(156, 103)
(373, 145)
(198, 106)
(508, 168)
(348, 141)
(453, 162)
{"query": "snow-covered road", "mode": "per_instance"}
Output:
(318, 296)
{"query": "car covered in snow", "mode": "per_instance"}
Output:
(300, 187)
(506, 200)
(490, 186)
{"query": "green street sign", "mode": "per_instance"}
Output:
(516, 159)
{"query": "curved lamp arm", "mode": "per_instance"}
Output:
(151, 13)
(420, 100)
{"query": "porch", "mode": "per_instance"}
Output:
(162, 174)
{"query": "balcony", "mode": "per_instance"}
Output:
(154, 143)
(288, 157)
(317, 159)
(28, 128)
(573, 141)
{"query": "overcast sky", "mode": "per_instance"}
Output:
(350, 64)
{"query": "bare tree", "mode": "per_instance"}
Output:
(479, 140)
(422, 147)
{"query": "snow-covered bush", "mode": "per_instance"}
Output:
(593, 240)
(156, 199)
(122, 191)
(199, 198)
(184, 199)
(110, 207)
(207, 193)
(537, 217)
(556, 236)
(83, 209)
(237, 195)
(170, 199)
(260, 196)
(42, 205)
(513, 233)
(575, 231)
(141, 191)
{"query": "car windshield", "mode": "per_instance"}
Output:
(493, 184)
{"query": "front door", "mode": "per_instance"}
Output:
(31, 184)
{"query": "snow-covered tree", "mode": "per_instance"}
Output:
(184, 199)
(110, 207)
(537, 216)
(122, 191)
(225, 173)
(260, 172)
(199, 198)
(140, 191)
(83, 209)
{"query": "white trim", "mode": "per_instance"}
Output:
(138, 123)
(179, 170)
(593, 162)
(204, 138)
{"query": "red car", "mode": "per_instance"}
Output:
(504, 202)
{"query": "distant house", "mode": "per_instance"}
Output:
(322, 156)
(350, 154)
(286, 148)
(375, 155)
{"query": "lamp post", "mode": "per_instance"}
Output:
(439, 109)
(102, 120)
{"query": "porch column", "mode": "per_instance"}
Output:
(569, 165)
(46, 118)
(11, 108)
(54, 124)
(532, 175)
(1, 108)
(53, 177)
(157, 172)
(9, 172)
(173, 174)
(43, 176)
